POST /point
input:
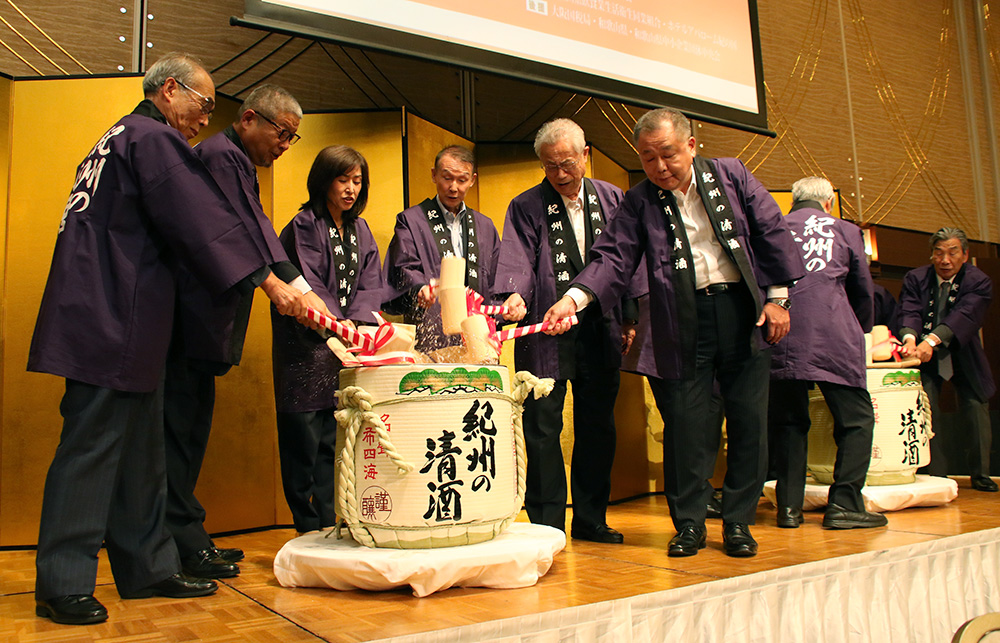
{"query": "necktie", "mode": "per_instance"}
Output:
(944, 361)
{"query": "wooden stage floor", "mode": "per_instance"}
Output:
(253, 607)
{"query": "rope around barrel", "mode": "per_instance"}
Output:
(357, 410)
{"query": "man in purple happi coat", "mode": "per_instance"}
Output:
(713, 239)
(435, 228)
(141, 203)
(547, 234)
(945, 304)
(210, 331)
(825, 345)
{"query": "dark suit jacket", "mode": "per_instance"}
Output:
(961, 322)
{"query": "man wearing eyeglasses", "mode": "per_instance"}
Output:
(210, 330)
(141, 202)
(713, 240)
(547, 235)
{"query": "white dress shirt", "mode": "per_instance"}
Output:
(712, 264)
(578, 221)
(454, 223)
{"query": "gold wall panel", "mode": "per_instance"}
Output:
(423, 141)
(377, 135)
(46, 143)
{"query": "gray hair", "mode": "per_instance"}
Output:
(946, 233)
(812, 188)
(655, 119)
(557, 130)
(460, 153)
(271, 100)
(179, 66)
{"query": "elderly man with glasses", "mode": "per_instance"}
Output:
(142, 202)
(546, 241)
(210, 330)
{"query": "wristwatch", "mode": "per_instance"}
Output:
(784, 302)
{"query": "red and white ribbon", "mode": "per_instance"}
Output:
(349, 334)
(365, 347)
(892, 341)
(521, 331)
(475, 304)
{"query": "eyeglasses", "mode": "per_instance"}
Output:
(566, 166)
(207, 103)
(283, 134)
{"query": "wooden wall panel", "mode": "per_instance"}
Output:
(95, 32)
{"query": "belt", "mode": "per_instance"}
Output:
(715, 289)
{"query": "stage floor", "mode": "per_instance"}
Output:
(254, 607)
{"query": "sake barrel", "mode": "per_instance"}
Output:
(901, 443)
(429, 455)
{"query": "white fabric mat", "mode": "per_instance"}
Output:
(516, 558)
(926, 491)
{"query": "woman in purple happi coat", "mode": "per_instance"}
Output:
(335, 251)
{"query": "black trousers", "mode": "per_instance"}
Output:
(595, 389)
(853, 426)
(106, 483)
(307, 449)
(726, 323)
(189, 400)
(974, 427)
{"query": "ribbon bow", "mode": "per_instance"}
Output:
(892, 341)
(365, 346)
(477, 307)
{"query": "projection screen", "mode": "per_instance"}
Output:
(701, 57)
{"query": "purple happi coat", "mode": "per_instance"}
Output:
(526, 268)
(832, 305)
(413, 259)
(640, 226)
(141, 200)
(965, 317)
(209, 326)
(305, 369)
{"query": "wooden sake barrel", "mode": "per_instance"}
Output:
(901, 443)
(430, 455)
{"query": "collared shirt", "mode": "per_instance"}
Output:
(454, 223)
(711, 263)
(577, 219)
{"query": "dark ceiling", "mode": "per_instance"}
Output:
(328, 76)
(101, 38)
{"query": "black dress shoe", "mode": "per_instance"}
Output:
(837, 517)
(714, 509)
(598, 534)
(737, 541)
(687, 542)
(176, 586)
(983, 483)
(230, 555)
(790, 517)
(208, 564)
(77, 609)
